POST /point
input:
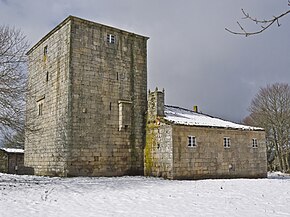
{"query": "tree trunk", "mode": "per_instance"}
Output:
(278, 150)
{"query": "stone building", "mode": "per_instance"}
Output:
(87, 104)
(185, 144)
(11, 160)
(87, 101)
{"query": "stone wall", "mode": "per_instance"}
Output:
(87, 101)
(47, 103)
(167, 153)
(108, 101)
(210, 159)
(158, 151)
(3, 162)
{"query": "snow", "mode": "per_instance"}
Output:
(30, 196)
(187, 117)
(13, 150)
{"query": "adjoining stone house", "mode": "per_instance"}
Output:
(185, 144)
(87, 101)
(11, 160)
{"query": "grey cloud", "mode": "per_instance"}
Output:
(189, 52)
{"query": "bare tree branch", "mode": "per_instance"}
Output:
(270, 109)
(13, 46)
(263, 24)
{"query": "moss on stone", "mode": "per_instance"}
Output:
(150, 142)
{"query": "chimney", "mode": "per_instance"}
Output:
(195, 108)
(155, 104)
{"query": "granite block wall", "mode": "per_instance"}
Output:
(210, 159)
(159, 151)
(108, 101)
(47, 105)
(87, 101)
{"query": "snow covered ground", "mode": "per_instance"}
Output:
(140, 196)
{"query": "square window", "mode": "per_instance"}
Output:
(254, 143)
(191, 141)
(111, 39)
(227, 142)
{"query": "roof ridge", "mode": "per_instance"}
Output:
(178, 107)
(173, 106)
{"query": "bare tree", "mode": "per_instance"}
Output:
(13, 46)
(263, 24)
(270, 109)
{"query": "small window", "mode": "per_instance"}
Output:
(40, 109)
(47, 76)
(254, 143)
(191, 141)
(111, 39)
(227, 142)
(45, 53)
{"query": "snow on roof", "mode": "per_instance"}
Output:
(13, 150)
(187, 117)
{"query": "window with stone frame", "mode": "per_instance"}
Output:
(254, 143)
(125, 114)
(191, 141)
(40, 103)
(227, 142)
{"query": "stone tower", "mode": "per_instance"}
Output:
(87, 101)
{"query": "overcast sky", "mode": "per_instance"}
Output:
(189, 52)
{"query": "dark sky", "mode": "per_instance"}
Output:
(189, 52)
